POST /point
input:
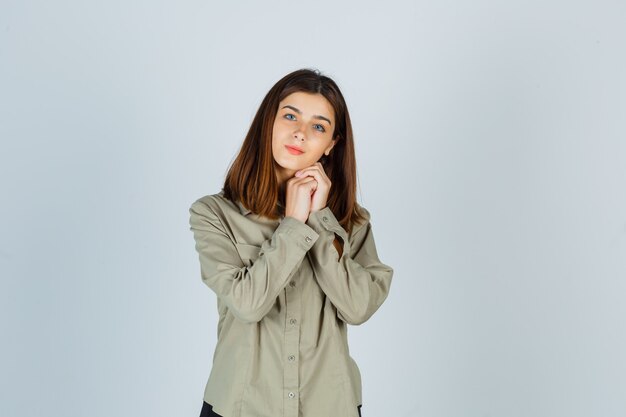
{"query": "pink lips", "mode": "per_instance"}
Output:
(293, 150)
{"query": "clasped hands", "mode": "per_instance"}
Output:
(306, 192)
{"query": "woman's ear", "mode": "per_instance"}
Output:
(333, 143)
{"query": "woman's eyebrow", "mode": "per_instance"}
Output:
(317, 116)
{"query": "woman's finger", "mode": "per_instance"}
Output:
(312, 170)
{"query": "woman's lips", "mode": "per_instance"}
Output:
(293, 151)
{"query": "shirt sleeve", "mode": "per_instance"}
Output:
(357, 283)
(248, 291)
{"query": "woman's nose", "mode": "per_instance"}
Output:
(299, 133)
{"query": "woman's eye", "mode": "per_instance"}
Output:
(318, 127)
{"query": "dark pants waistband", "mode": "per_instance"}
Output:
(207, 410)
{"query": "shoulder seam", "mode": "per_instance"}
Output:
(213, 213)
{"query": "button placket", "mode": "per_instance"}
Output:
(292, 349)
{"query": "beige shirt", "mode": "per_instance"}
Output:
(284, 298)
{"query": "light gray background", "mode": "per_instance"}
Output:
(491, 146)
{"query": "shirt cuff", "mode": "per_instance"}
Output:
(323, 221)
(305, 236)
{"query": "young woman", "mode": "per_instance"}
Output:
(291, 256)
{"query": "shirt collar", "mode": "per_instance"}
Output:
(242, 209)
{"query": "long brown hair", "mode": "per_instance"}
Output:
(251, 179)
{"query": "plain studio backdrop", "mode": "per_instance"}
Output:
(491, 149)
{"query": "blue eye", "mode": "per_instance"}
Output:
(322, 128)
(289, 114)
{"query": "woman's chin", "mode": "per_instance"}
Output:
(289, 166)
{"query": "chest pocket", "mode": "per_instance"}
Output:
(247, 253)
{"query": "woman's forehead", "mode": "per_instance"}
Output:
(309, 104)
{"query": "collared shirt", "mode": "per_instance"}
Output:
(284, 298)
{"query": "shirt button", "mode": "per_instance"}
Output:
(292, 358)
(292, 283)
(325, 218)
(292, 321)
(308, 239)
(291, 395)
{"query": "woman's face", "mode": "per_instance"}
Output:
(305, 121)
